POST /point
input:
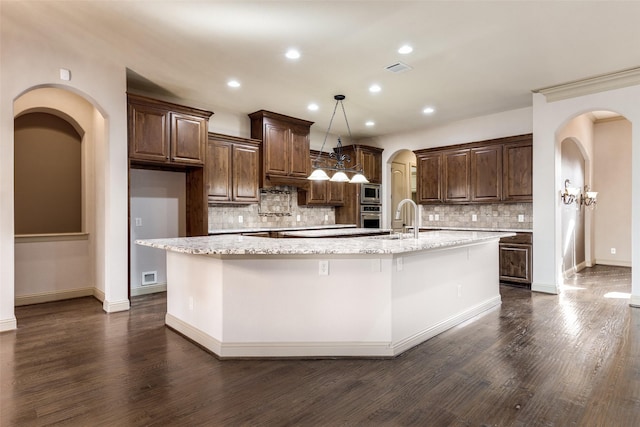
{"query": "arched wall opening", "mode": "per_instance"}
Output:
(61, 264)
(402, 185)
(550, 120)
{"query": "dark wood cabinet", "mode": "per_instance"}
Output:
(457, 176)
(429, 182)
(498, 170)
(232, 169)
(285, 147)
(321, 193)
(518, 172)
(516, 263)
(166, 133)
(486, 174)
(370, 159)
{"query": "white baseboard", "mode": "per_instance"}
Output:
(115, 306)
(635, 301)
(322, 349)
(614, 263)
(151, 289)
(8, 324)
(446, 324)
(546, 289)
(98, 294)
(53, 296)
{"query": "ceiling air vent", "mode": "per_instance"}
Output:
(398, 67)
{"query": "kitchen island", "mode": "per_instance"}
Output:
(376, 296)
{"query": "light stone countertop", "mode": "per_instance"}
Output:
(333, 232)
(218, 231)
(385, 244)
(508, 230)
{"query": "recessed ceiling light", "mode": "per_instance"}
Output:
(374, 88)
(405, 49)
(292, 54)
(370, 123)
(312, 107)
(428, 110)
(233, 83)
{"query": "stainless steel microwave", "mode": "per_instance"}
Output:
(370, 194)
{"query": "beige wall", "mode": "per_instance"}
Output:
(612, 180)
(573, 226)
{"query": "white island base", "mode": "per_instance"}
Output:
(369, 305)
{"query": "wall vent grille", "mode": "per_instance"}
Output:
(149, 278)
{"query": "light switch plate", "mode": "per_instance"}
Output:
(520, 218)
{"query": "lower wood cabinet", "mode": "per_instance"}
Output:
(232, 169)
(516, 264)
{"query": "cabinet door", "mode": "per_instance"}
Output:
(518, 172)
(298, 152)
(335, 192)
(188, 138)
(515, 263)
(219, 171)
(276, 148)
(148, 133)
(486, 174)
(429, 173)
(457, 176)
(371, 165)
(246, 174)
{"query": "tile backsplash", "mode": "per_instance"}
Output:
(278, 207)
(494, 215)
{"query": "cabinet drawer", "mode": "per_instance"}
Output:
(519, 238)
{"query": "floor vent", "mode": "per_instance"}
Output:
(149, 278)
(398, 67)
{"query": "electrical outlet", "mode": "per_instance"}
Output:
(138, 222)
(430, 217)
(326, 217)
(399, 264)
(376, 265)
(520, 218)
(323, 267)
(298, 218)
(437, 217)
(459, 291)
(190, 303)
(613, 251)
(474, 217)
(240, 219)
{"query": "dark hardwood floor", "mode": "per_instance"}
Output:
(538, 360)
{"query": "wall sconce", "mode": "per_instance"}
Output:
(589, 198)
(570, 194)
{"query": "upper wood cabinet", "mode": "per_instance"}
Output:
(457, 176)
(166, 133)
(429, 182)
(517, 178)
(285, 147)
(498, 170)
(232, 169)
(369, 158)
(321, 193)
(486, 173)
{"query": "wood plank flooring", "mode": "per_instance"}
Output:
(538, 360)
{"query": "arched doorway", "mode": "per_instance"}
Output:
(595, 154)
(402, 186)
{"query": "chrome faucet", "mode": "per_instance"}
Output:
(416, 215)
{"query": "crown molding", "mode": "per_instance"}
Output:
(601, 83)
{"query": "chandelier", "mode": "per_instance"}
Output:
(337, 165)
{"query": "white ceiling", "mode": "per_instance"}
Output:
(470, 58)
